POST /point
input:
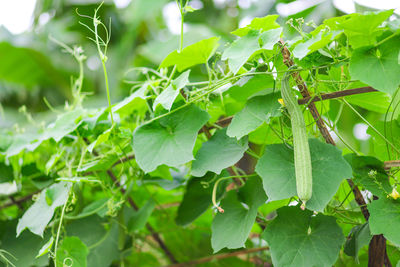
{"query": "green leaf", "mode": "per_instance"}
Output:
(65, 124)
(370, 173)
(169, 140)
(100, 139)
(374, 101)
(241, 50)
(99, 236)
(135, 101)
(329, 168)
(140, 217)
(167, 97)
(362, 29)
(96, 207)
(248, 86)
(270, 38)
(377, 66)
(385, 219)
(232, 228)
(35, 70)
(46, 248)
(24, 248)
(360, 236)
(40, 213)
(197, 198)
(72, 252)
(25, 141)
(264, 24)
(300, 239)
(258, 109)
(390, 129)
(316, 42)
(218, 153)
(197, 53)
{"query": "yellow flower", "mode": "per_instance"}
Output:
(280, 100)
(394, 194)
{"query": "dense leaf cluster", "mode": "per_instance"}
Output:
(189, 166)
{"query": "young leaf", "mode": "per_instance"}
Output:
(276, 168)
(299, 239)
(40, 213)
(218, 153)
(169, 140)
(232, 228)
(197, 53)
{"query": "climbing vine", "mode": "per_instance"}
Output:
(187, 162)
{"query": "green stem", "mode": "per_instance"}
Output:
(59, 230)
(103, 59)
(108, 91)
(370, 125)
(215, 187)
(182, 18)
(387, 38)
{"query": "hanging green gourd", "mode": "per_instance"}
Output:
(302, 158)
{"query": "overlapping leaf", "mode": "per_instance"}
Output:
(299, 239)
(231, 228)
(370, 173)
(258, 109)
(276, 168)
(169, 140)
(197, 53)
(72, 252)
(378, 66)
(385, 219)
(168, 96)
(218, 153)
(40, 213)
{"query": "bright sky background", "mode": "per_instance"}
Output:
(16, 15)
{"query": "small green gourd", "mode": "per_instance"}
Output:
(302, 158)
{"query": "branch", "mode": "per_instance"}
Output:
(219, 257)
(337, 94)
(18, 201)
(392, 164)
